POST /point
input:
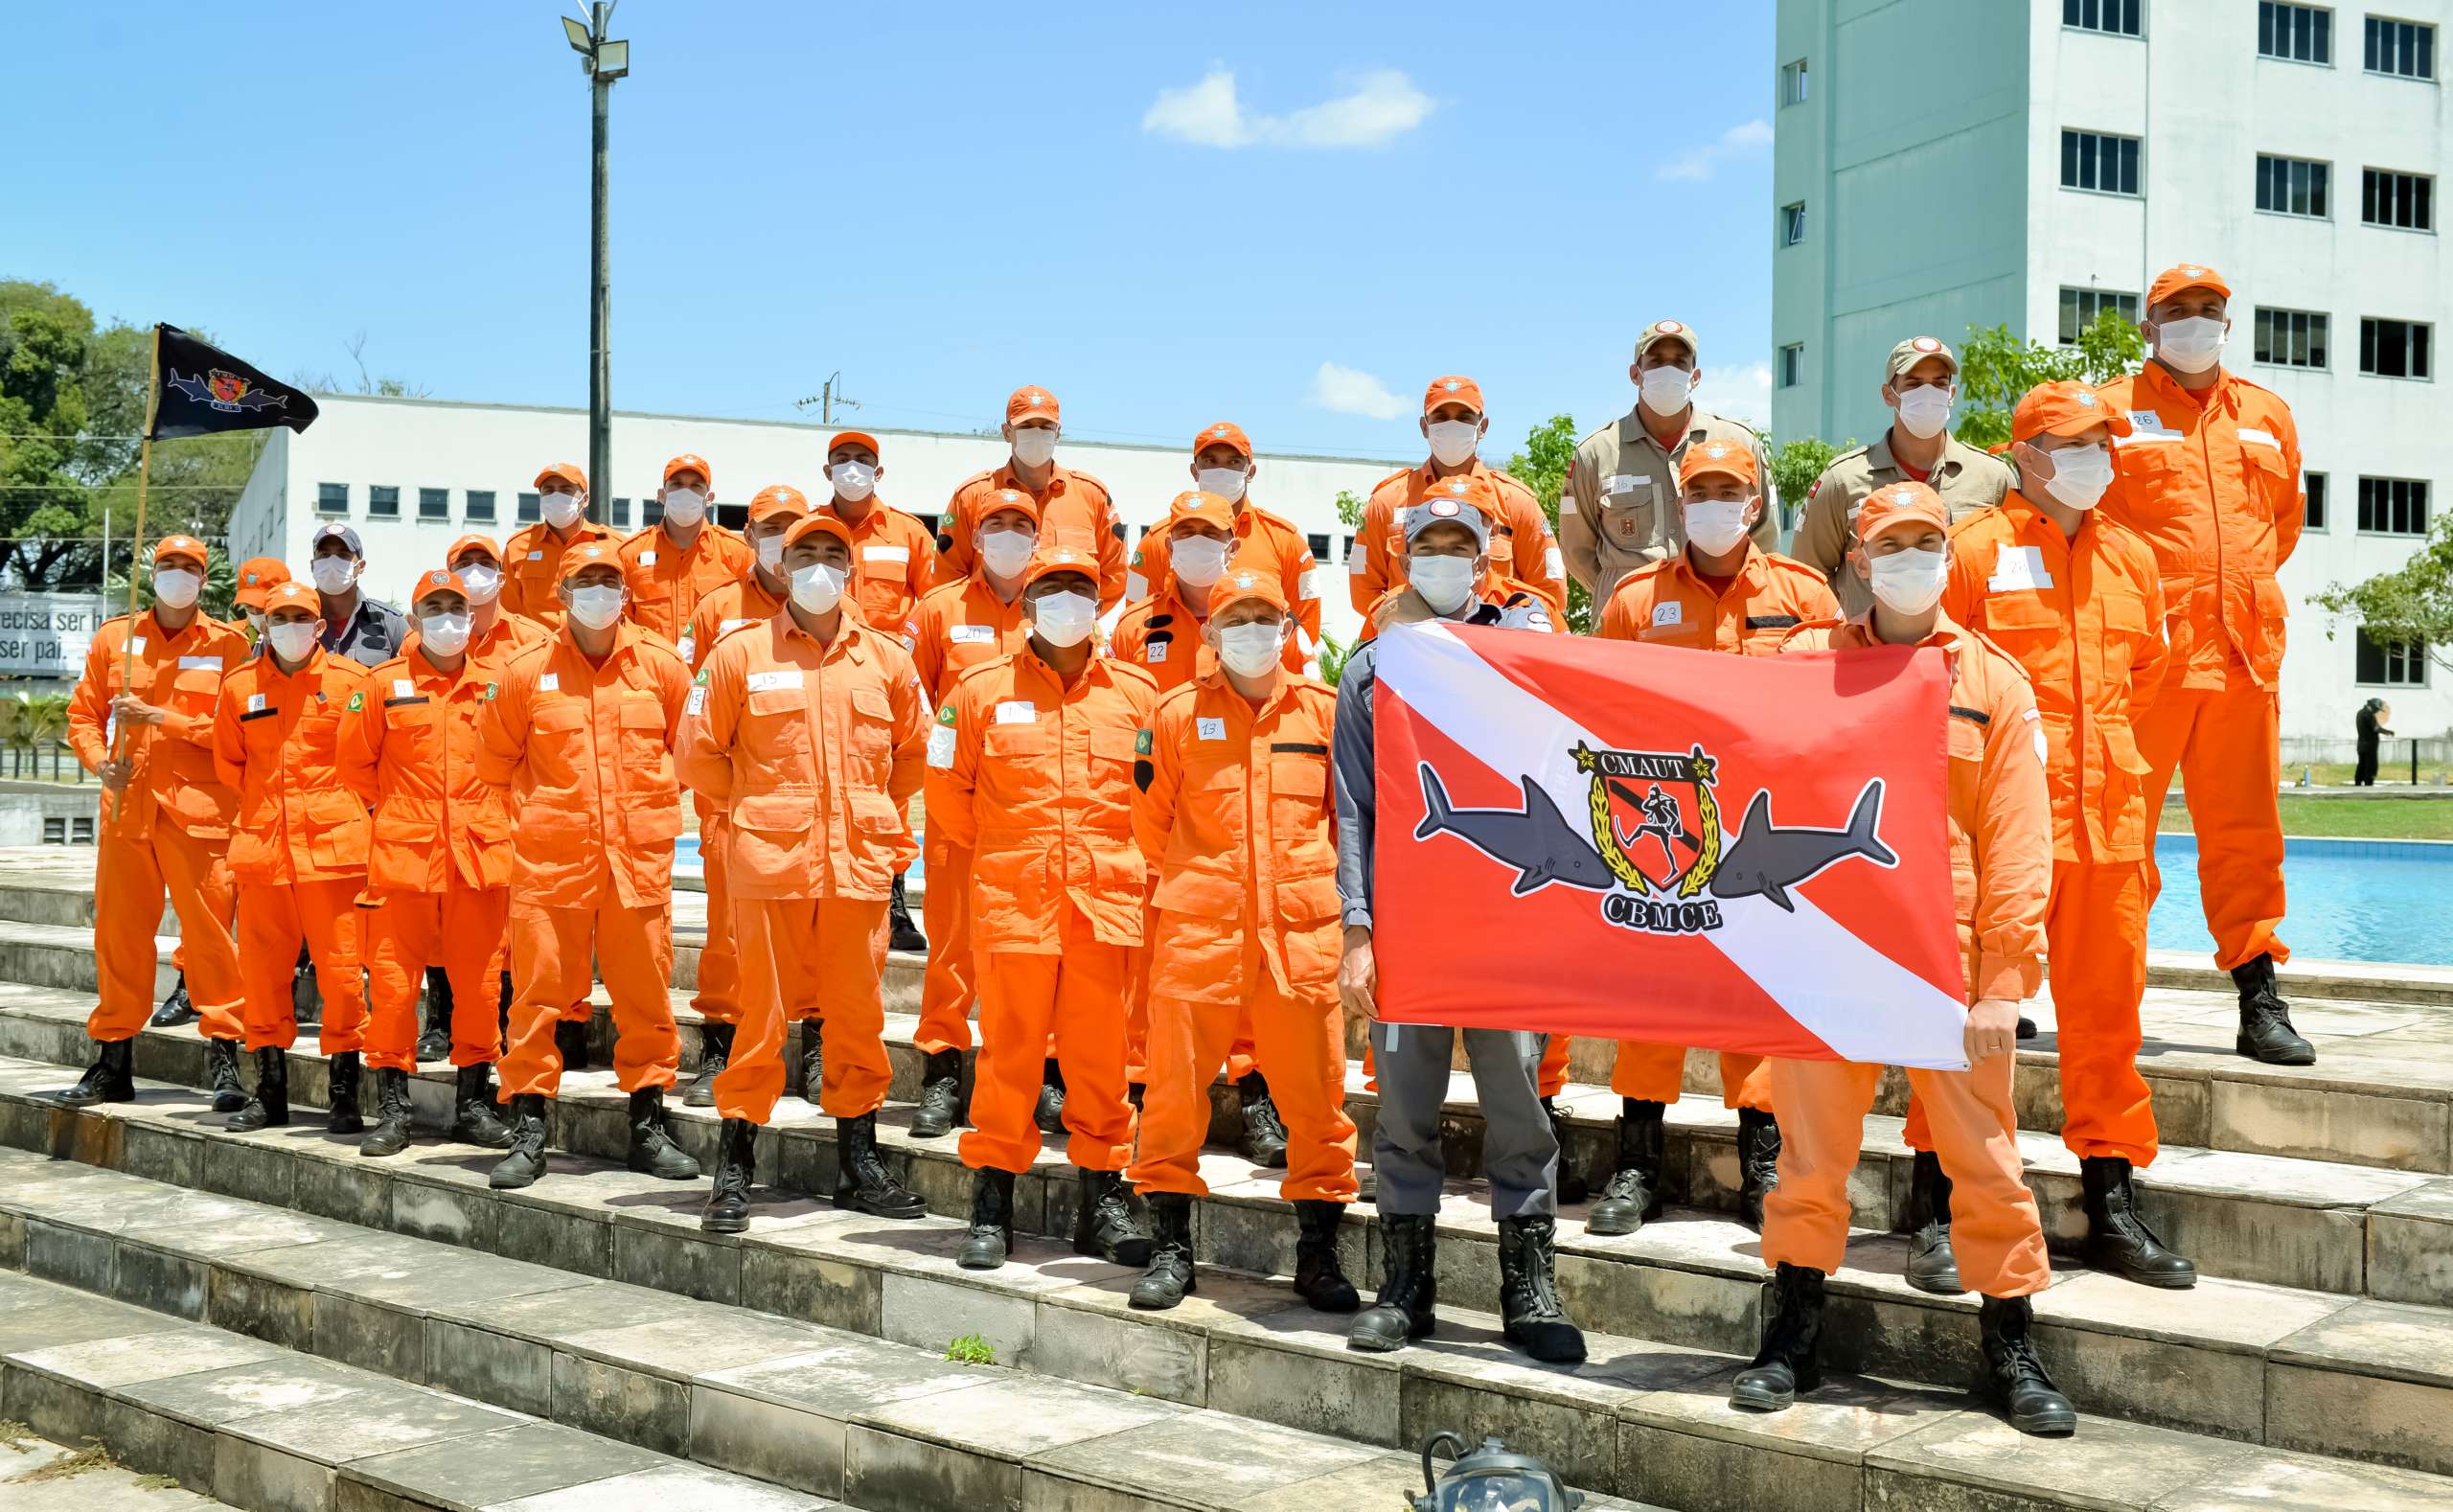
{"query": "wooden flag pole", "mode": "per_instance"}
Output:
(136, 546)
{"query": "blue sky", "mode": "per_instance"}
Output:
(1290, 216)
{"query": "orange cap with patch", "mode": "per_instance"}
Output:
(294, 595)
(1009, 498)
(181, 546)
(589, 555)
(1453, 388)
(1031, 403)
(1207, 508)
(1238, 584)
(436, 577)
(691, 462)
(854, 438)
(2063, 409)
(1897, 504)
(484, 543)
(777, 498)
(818, 524)
(1727, 458)
(1225, 433)
(563, 471)
(2182, 277)
(259, 576)
(1049, 560)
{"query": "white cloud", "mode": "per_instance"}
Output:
(1700, 162)
(1348, 392)
(1739, 392)
(1383, 104)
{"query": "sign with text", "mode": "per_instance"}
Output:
(47, 634)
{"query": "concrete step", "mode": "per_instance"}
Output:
(1643, 1419)
(2288, 1368)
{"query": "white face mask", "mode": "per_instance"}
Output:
(853, 481)
(1228, 483)
(770, 551)
(2191, 344)
(1064, 619)
(483, 579)
(292, 641)
(562, 510)
(1005, 551)
(1923, 412)
(1198, 560)
(1910, 581)
(2079, 476)
(333, 574)
(176, 586)
(596, 606)
(685, 507)
(1250, 651)
(817, 588)
(1445, 583)
(1453, 440)
(1034, 445)
(444, 634)
(1666, 389)
(1714, 526)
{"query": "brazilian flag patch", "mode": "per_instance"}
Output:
(946, 715)
(490, 689)
(701, 678)
(1142, 744)
(357, 701)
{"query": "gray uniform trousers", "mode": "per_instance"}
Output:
(1520, 1155)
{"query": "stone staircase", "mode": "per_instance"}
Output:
(2314, 1366)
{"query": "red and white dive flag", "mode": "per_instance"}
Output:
(1641, 842)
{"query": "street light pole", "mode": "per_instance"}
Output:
(606, 60)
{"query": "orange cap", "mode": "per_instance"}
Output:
(2185, 276)
(566, 472)
(689, 462)
(493, 551)
(588, 555)
(1453, 389)
(1207, 508)
(1896, 504)
(1724, 457)
(818, 524)
(1061, 559)
(2063, 409)
(777, 498)
(847, 438)
(293, 596)
(1239, 583)
(436, 577)
(181, 546)
(1225, 433)
(1031, 403)
(1009, 498)
(258, 575)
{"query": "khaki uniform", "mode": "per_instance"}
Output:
(1967, 479)
(1621, 508)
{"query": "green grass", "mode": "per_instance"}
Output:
(972, 1349)
(2351, 819)
(2390, 772)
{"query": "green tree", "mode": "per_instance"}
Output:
(1349, 509)
(1795, 466)
(2410, 605)
(1543, 468)
(1996, 370)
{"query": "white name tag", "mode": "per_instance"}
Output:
(647, 559)
(973, 634)
(688, 648)
(1670, 614)
(1626, 482)
(941, 746)
(1017, 711)
(2017, 569)
(1356, 565)
(1553, 565)
(2144, 425)
(2260, 437)
(1308, 585)
(885, 553)
(199, 664)
(777, 678)
(1210, 729)
(255, 704)
(1156, 651)
(136, 645)
(727, 627)
(550, 682)
(404, 688)
(535, 556)
(698, 704)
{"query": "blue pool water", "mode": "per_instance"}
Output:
(2345, 900)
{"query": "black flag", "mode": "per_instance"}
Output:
(206, 390)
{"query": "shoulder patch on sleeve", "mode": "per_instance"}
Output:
(1142, 742)
(946, 715)
(357, 700)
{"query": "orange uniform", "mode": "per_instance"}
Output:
(169, 828)
(668, 582)
(816, 751)
(2212, 481)
(1521, 545)
(587, 750)
(894, 561)
(298, 848)
(1034, 777)
(2084, 615)
(1266, 542)
(734, 607)
(1670, 604)
(532, 568)
(1076, 509)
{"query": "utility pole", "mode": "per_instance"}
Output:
(829, 395)
(605, 60)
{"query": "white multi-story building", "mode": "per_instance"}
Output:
(1942, 164)
(411, 475)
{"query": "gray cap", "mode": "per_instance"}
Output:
(335, 530)
(1459, 501)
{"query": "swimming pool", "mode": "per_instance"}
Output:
(2346, 899)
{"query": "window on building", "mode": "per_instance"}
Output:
(2394, 348)
(1792, 225)
(2079, 308)
(2404, 666)
(2296, 33)
(2404, 201)
(481, 506)
(1793, 82)
(2392, 506)
(651, 512)
(382, 503)
(1319, 546)
(1792, 365)
(2292, 186)
(621, 514)
(434, 503)
(2291, 338)
(2096, 160)
(531, 509)
(2314, 486)
(1347, 552)
(2116, 16)
(2404, 48)
(332, 498)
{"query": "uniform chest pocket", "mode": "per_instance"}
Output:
(1301, 776)
(1017, 762)
(776, 720)
(193, 690)
(1112, 758)
(644, 750)
(560, 715)
(1627, 516)
(872, 716)
(1969, 729)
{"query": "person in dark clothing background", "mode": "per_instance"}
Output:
(2371, 721)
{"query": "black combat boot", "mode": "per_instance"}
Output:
(177, 1011)
(1408, 1290)
(1169, 1280)
(1529, 1290)
(862, 1181)
(1318, 1280)
(728, 1210)
(268, 1106)
(2118, 1239)
(1104, 1224)
(992, 1221)
(1758, 1164)
(715, 1053)
(435, 1044)
(570, 1043)
(474, 1119)
(1264, 1141)
(902, 934)
(940, 1095)
(110, 1079)
(813, 1060)
(1573, 1186)
(2014, 1377)
(2265, 1018)
(1049, 1115)
(526, 1162)
(1785, 1365)
(1632, 1197)
(1932, 1265)
(222, 1069)
(340, 1100)
(390, 1134)
(652, 1152)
